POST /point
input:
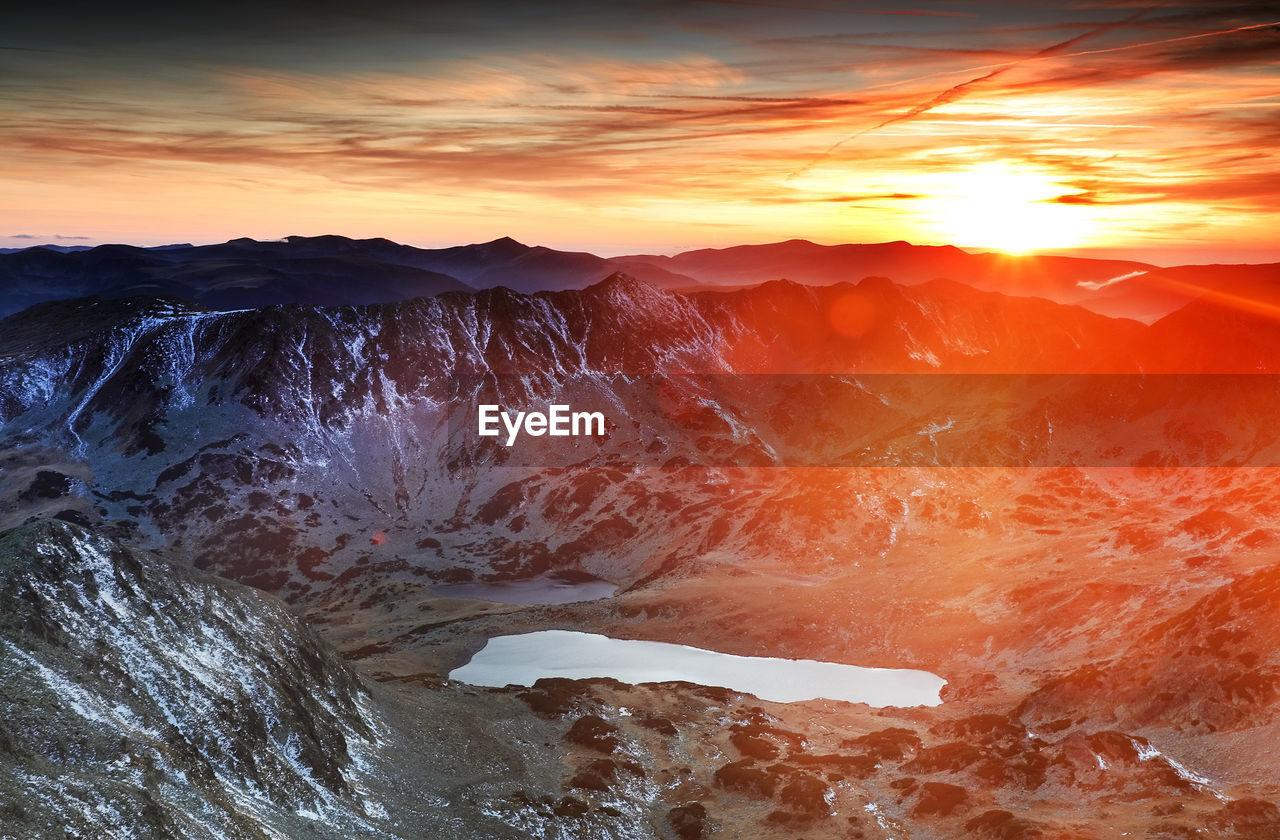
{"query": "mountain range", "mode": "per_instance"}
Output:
(335, 270)
(236, 512)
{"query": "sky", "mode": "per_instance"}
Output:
(1132, 129)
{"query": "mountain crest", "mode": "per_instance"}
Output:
(621, 285)
(503, 245)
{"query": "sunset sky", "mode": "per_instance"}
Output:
(1145, 130)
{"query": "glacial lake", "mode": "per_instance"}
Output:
(539, 590)
(525, 658)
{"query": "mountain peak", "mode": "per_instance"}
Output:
(620, 281)
(504, 244)
(503, 248)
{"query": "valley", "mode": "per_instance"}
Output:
(1041, 505)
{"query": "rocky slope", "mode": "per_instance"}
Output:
(145, 700)
(277, 444)
(141, 699)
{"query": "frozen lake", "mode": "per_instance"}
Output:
(539, 590)
(523, 659)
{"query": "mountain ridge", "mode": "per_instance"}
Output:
(336, 270)
(317, 453)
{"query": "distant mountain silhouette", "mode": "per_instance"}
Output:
(1064, 279)
(524, 268)
(61, 249)
(335, 270)
(241, 274)
(1160, 291)
(1116, 288)
(317, 270)
(485, 265)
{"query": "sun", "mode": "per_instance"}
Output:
(1006, 209)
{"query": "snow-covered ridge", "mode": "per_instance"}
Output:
(204, 698)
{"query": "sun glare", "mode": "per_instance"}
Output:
(1006, 209)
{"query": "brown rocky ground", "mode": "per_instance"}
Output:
(1108, 636)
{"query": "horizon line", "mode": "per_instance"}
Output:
(60, 242)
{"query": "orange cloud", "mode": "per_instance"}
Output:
(647, 124)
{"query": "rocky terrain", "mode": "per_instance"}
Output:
(1069, 517)
(142, 699)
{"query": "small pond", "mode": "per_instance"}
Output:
(525, 658)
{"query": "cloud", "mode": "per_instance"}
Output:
(962, 89)
(854, 199)
(55, 236)
(1096, 285)
(692, 108)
